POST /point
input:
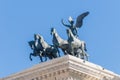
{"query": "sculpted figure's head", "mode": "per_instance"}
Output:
(71, 20)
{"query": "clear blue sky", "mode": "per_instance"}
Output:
(20, 19)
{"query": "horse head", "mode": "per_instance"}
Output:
(36, 36)
(31, 44)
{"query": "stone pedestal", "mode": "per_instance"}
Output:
(65, 68)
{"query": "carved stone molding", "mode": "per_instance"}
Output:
(65, 68)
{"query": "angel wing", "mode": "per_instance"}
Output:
(80, 18)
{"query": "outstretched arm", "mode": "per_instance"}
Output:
(64, 23)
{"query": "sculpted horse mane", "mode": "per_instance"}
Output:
(51, 50)
(43, 43)
(57, 39)
(59, 42)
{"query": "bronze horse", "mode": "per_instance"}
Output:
(43, 49)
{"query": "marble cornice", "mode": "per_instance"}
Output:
(67, 68)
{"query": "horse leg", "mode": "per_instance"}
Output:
(31, 54)
(49, 56)
(72, 50)
(45, 55)
(55, 55)
(78, 53)
(86, 56)
(64, 51)
(58, 52)
(41, 58)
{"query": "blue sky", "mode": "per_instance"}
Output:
(20, 19)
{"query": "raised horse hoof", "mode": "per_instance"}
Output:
(30, 59)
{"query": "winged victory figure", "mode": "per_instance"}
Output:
(78, 24)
